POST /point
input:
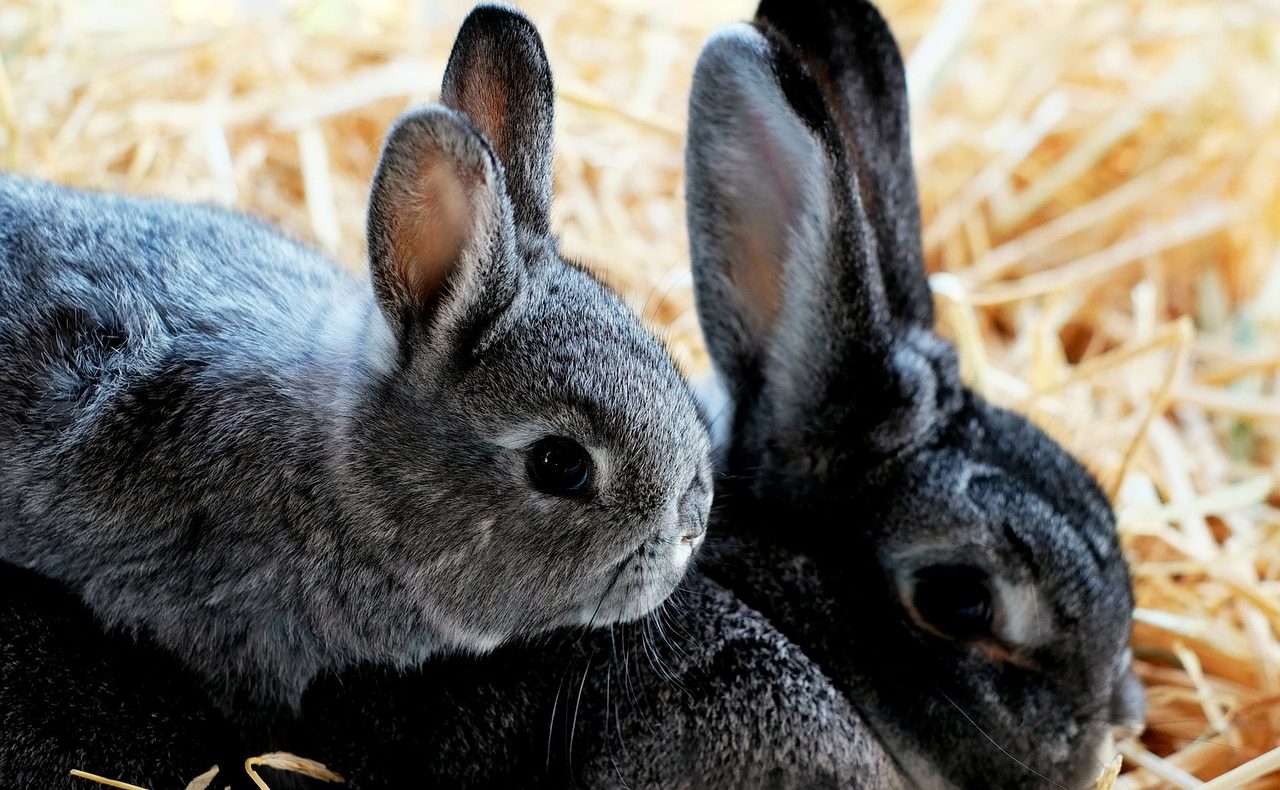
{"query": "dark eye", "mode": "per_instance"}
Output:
(955, 600)
(559, 466)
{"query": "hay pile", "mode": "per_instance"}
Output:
(1101, 183)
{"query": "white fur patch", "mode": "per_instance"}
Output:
(1026, 621)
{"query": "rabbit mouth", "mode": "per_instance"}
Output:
(640, 583)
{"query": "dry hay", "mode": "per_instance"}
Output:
(1099, 179)
(281, 761)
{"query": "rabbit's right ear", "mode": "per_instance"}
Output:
(499, 77)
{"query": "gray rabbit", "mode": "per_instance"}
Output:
(716, 696)
(952, 569)
(218, 438)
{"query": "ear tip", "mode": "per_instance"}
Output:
(737, 39)
(437, 127)
(493, 20)
(731, 52)
(753, 60)
(499, 37)
(496, 14)
(807, 24)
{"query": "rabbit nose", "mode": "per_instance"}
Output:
(694, 511)
(694, 533)
(1128, 706)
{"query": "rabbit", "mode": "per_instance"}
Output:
(718, 698)
(953, 570)
(218, 438)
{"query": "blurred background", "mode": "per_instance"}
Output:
(1101, 188)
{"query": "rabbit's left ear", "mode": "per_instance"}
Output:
(498, 76)
(787, 287)
(849, 49)
(804, 237)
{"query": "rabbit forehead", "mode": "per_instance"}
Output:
(1050, 566)
(572, 356)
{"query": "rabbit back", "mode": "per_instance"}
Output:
(100, 291)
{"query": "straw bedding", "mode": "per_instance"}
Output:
(1101, 186)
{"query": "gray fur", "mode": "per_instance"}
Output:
(219, 439)
(857, 459)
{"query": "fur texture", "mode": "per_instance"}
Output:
(73, 695)
(220, 440)
(706, 695)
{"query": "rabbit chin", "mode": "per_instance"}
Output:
(925, 775)
(640, 585)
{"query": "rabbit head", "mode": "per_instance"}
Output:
(541, 456)
(970, 596)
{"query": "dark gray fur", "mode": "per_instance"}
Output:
(857, 458)
(218, 438)
(709, 695)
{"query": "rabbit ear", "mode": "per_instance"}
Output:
(499, 77)
(850, 51)
(440, 234)
(787, 290)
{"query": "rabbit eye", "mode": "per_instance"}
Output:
(955, 600)
(559, 466)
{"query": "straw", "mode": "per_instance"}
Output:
(282, 761)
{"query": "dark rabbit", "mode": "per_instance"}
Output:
(953, 570)
(707, 695)
(219, 439)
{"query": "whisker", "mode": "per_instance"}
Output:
(573, 728)
(1003, 750)
(551, 727)
(586, 629)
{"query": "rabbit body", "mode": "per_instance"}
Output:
(218, 438)
(710, 696)
(172, 386)
(76, 695)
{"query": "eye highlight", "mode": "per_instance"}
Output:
(559, 466)
(954, 600)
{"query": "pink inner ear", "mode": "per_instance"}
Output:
(485, 103)
(433, 222)
(755, 278)
(769, 206)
